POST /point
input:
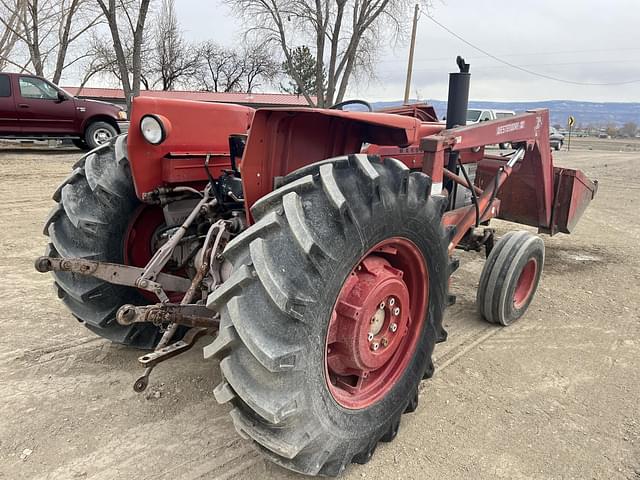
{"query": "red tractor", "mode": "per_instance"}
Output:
(315, 245)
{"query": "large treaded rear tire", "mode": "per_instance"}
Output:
(275, 308)
(94, 206)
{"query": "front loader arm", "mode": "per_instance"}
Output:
(534, 192)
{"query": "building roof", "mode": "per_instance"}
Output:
(223, 97)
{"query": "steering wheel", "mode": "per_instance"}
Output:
(341, 105)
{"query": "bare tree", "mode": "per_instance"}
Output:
(258, 66)
(10, 17)
(135, 14)
(225, 70)
(344, 33)
(74, 19)
(173, 59)
(220, 69)
(47, 28)
(102, 60)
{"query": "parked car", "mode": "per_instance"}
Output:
(556, 139)
(475, 115)
(32, 107)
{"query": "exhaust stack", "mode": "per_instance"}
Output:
(457, 104)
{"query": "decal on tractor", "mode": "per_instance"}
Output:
(510, 127)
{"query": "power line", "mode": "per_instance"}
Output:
(545, 54)
(562, 64)
(525, 70)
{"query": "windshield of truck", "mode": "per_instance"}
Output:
(473, 115)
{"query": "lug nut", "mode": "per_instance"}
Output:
(381, 306)
(392, 301)
(370, 337)
(396, 311)
(393, 327)
(375, 346)
(385, 342)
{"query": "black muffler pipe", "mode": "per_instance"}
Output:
(457, 104)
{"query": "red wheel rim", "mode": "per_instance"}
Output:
(525, 284)
(376, 323)
(138, 242)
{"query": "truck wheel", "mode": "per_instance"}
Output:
(92, 220)
(98, 133)
(330, 316)
(510, 277)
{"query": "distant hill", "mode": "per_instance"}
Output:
(586, 113)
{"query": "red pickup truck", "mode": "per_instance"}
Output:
(32, 107)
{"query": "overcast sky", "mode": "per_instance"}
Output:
(585, 41)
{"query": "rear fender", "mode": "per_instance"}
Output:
(283, 140)
(197, 129)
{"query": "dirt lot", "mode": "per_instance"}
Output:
(553, 396)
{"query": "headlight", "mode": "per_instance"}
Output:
(153, 129)
(122, 115)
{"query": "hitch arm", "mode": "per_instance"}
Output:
(113, 273)
(163, 314)
(150, 360)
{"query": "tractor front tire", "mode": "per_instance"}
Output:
(510, 277)
(343, 256)
(90, 219)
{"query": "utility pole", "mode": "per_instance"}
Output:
(407, 87)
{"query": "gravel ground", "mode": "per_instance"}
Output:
(553, 396)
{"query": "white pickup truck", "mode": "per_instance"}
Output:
(477, 115)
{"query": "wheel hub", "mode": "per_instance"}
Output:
(369, 304)
(376, 322)
(525, 284)
(101, 135)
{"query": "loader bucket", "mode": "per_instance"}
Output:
(521, 196)
(573, 192)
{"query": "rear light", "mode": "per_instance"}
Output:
(154, 128)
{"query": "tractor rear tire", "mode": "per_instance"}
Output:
(90, 219)
(510, 277)
(290, 268)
